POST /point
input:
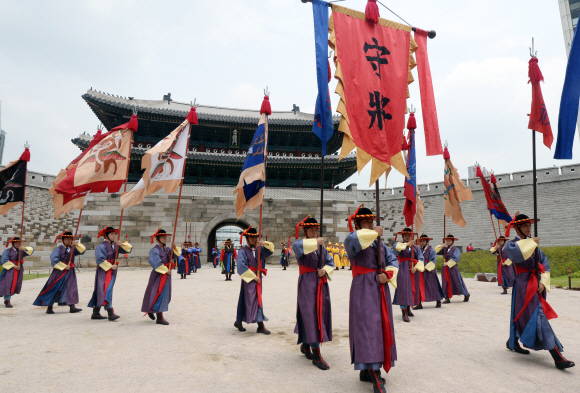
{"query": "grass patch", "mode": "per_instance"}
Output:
(559, 257)
(33, 276)
(563, 281)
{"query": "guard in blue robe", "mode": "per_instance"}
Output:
(12, 269)
(530, 311)
(61, 287)
(107, 259)
(158, 293)
(250, 305)
(184, 265)
(410, 261)
(228, 258)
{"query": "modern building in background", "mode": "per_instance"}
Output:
(229, 232)
(569, 13)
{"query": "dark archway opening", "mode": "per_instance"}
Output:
(231, 230)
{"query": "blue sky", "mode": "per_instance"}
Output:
(225, 52)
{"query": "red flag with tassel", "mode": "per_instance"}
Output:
(539, 120)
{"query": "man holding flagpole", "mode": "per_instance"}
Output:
(13, 272)
(251, 258)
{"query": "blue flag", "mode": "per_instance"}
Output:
(322, 127)
(410, 208)
(250, 188)
(569, 103)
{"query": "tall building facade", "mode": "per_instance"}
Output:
(2, 141)
(569, 13)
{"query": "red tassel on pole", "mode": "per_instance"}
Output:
(133, 123)
(372, 11)
(192, 116)
(534, 71)
(446, 155)
(412, 122)
(493, 179)
(478, 172)
(266, 108)
(25, 155)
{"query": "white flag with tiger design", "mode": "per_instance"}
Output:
(163, 165)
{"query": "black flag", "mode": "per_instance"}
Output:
(12, 184)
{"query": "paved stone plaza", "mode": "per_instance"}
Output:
(459, 348)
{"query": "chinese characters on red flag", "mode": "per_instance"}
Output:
(373, 62)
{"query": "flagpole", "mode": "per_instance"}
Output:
(321, 251)
(492, 225)
(379, 244)
(180, 190)
(72, 251)
(124, 190)
(23, 201)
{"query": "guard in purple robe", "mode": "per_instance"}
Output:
(158, 292)
(371, 328)
(106, 256)
(313, 310)
(410, 262)
(430, 284)
(530, 311)
(451, 279)
(61, 287)
(506, 274)
(12, 269)
(183, 265)
(250, 306)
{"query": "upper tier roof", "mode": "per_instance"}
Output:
(179, 110)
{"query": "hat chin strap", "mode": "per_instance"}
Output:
(520, 233)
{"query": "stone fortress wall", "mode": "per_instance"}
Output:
(210, 207)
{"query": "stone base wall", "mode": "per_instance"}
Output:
(208, 207)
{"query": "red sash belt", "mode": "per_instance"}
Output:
(499, 270)
(447, 276)
(532, 289)
(259, 284)
(385, 321)
(108, 278)
(15, 275)
(421, 279)
(161, 287)
(72, 265)
(319, 299)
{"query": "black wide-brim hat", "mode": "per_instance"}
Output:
(308, 222)
(14, 239)
(408, 231)
(425, 237)
(63, 235)
(250, 232)
(520, 219)
(106, 230)
(158, 233)
(450, 237)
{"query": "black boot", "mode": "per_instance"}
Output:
(305, 350)
(150, 315)
(317, 359)
(517, 348)
(410, 312)
(438, 305)
(504, 291)
(447, 301)
(161, 320)
(97, 313)
(74, 309)
(49, 310)
(365, 376)
(7, 304)
(262, 329)
(418, 307)
(466, 298)
(112, 315)
(561, 361)
(405, 316)
(239, 326)
(378, 381)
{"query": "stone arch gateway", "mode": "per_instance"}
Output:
(208, 234)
